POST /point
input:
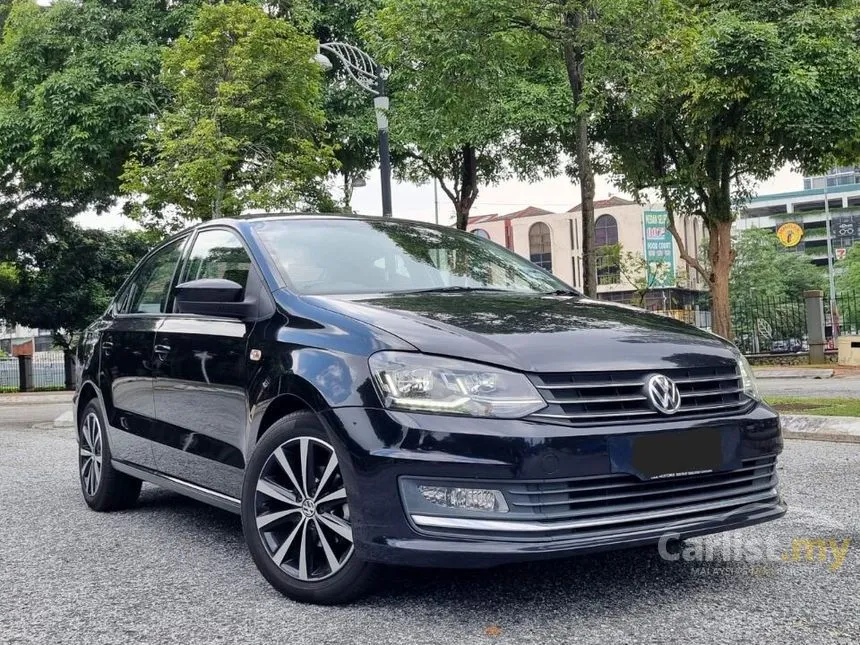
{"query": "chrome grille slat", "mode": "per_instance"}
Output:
(735, 390)
(577, 386)
(601, 415)
(599, 399)
(585, 398)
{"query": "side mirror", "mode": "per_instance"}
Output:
(214, 297)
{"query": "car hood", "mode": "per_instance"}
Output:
(536, 333)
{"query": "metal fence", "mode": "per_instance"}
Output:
(770, 325)
(848, 314)
(48, 372)
(8, 374)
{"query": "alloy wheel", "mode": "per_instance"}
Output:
(90, 453)
(301, 510)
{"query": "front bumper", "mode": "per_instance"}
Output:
(542, 466)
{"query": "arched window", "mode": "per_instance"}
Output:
(605, 243)
(540, 245)
(479, 232)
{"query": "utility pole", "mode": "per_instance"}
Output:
(834, 315)
(436, 199)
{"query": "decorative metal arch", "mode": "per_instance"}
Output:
(358, 64)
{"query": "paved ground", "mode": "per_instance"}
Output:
(832, 387)
(175, 571)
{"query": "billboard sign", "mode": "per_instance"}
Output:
(659, 249)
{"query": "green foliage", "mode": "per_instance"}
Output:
(77, 83)
(766, 288)
(849, 271)
(708, 96)
(350, 118)
(763, 268)
(632, 267)
(70, 280)
(244, 126)
(474, 99)
(8, 280)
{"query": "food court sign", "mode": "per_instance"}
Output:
(659, 249)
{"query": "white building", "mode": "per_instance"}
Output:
(806, 208)
(552, 240)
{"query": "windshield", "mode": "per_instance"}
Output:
(326, 257)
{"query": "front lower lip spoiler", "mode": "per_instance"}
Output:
(516, 526)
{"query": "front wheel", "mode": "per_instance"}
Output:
(296, 518)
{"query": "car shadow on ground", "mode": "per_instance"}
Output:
(586, 583)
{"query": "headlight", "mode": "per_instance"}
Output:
(747, 377)
(421, 383)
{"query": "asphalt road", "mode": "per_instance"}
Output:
(824, 387)
(175, 571)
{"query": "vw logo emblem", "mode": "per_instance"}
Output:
(308, 508)
(663, 394)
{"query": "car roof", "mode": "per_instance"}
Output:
(241, 222)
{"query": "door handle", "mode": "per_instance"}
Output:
(107, 346)
(162, 350)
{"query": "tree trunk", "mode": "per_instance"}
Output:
(721, 255)
(586, 189)
(574, 59)
(468, 186)
(348, 188)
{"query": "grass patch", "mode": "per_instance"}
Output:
(825, 406)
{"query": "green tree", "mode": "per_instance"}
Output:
(244, 127)
(849, 271)
(350, 118)
(763, 268)
(848, 286)
(710, 95)
(472, 103)
(64, 285)
(766, 286)
(78, 81)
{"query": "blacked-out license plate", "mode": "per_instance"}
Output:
(672, 454)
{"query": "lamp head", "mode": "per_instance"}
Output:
(322, 60)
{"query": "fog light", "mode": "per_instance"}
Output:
(470, 499)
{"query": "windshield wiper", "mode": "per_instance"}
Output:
(562, 292)
(453, 289)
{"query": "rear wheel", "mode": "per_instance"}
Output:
(296, 518)
(104, 488)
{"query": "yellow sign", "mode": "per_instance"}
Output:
(789, 234)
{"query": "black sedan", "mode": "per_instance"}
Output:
(370, 392)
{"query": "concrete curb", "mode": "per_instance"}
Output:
(797, 372)
(65, 420)
(820, 428)
(35, 398)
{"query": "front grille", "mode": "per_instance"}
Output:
(618, 504)
(584, 398)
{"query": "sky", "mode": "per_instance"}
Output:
(416, 202)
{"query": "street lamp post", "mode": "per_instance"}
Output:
(834, 315)
(368, 75)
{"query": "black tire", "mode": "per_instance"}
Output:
(302, 433)
(111, 490)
